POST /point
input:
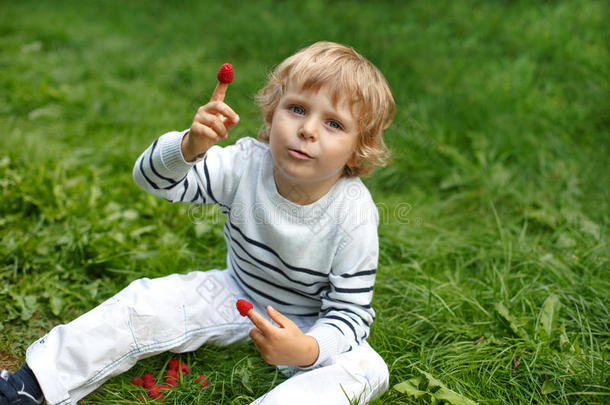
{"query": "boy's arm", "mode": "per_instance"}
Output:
(346, 313)
(162, 171)
(166, 168)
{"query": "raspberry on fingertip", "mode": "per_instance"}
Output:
(225, 74)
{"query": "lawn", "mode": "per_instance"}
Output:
(494, 266)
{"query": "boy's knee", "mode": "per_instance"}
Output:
(384, 375)
(381, 372)
(373, 368)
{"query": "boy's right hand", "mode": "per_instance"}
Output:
(212, 122)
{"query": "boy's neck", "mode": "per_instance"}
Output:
(303, 193)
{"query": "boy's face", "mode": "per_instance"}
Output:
(311, 140)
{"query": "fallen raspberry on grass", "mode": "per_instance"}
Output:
(202, 378)
(243, 307)
(184, 369)
(155, 392)
(137, 381)
(225, 74)
(174, 373)
(174, 364)
(177, 367)
(148, 381)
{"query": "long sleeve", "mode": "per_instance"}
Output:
(162, 171)
(346, 313)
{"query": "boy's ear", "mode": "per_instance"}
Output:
(354, 160)
(268, 119)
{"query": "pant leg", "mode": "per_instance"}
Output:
(359, 375)
(178, 313)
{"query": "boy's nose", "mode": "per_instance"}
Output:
(308, 130)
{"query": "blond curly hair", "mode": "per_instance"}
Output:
(346, 75)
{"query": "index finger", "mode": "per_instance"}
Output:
(224, 76)
(257, 319)
(220, 92)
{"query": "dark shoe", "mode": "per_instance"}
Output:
(12, 391)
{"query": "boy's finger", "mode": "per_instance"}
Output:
(213, 121)
(256, 335)
(206, 131)
(261, 323)
(278, 317)
(229, 123)
(222, 109)
(220, 92)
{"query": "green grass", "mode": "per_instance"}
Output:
(497, 194)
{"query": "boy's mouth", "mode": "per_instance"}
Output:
(299, 154)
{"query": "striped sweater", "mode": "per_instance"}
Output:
(316, 260)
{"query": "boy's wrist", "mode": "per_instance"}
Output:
(311, 352)
(187, 151)
(167, 156)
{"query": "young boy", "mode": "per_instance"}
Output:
(301, 233)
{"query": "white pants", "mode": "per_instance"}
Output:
(179, 313)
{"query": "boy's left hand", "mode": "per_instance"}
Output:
(283, 345)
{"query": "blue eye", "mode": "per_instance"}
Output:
(335, 124)
(297, 109)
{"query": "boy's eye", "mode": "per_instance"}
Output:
(297, 109)
(335, 124)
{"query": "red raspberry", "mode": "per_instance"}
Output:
(174, 364)
(137, 381)
(171, 381)
(154, 392)
(202, 378)
(148, 381)
(225, 74)
(184, 368)
(243, 307)
(172, 374)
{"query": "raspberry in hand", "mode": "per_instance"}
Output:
(243, 307)
(225, 74)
